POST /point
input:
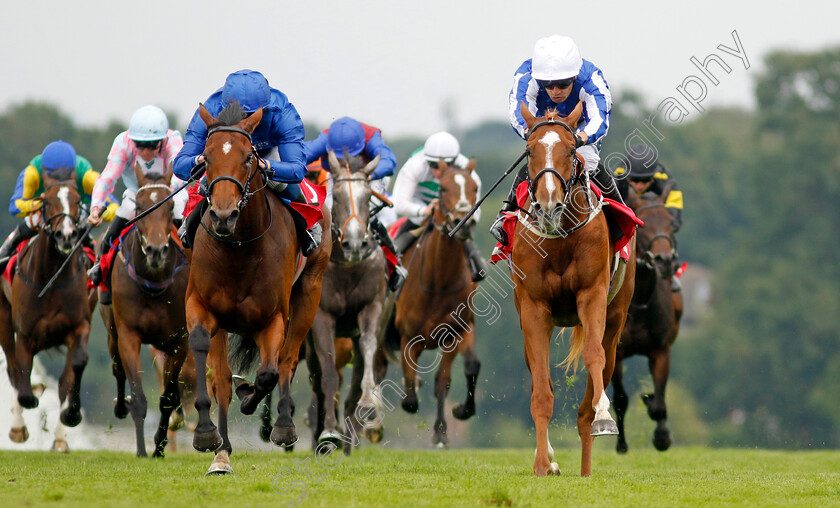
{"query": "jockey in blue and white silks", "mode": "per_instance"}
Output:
(556, 77)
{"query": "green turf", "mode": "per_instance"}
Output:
(374, 477)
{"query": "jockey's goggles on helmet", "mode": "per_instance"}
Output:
(152, 145)
(645, 178)
(557, 83)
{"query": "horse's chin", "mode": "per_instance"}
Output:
(222, 231)
(351, 256)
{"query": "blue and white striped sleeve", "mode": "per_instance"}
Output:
(597, 102)
(524, 89)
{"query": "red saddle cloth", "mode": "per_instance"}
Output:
(617, 213)
(9, 272)
(310, 211)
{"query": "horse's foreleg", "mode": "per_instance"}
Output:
(355, 393)
(23, 357)
(223, 393)
(472, 366)
(170, 399)
(660, 365)
(323, 341)
(620, 401)
(410, 354)
(443, 378)
(206, 437)
(77, 358)
(129, 351)
(537, 326)
(120, 403)
(371, 400)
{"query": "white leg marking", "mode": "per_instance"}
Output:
(602, 408)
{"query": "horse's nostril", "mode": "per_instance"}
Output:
(233, 216)
(213, 215)
(345, 244)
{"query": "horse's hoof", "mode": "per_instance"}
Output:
(207, 441)
(121, 408)
(661, 440)
(289, 448)
(60, 445)
(176, 421)
(284, 436)
(330, 436)
(220, 464)
(158, 454)
(28, 401)
(38, 389)
(554, 469)
(19, 434)
(463, 411)
(375, 435)
(71, 417)
(410, 406)
(440, 445)
(265, 433)
(242, 386)
(621, 447)
(604, 428)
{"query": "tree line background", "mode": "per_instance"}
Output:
(756, 362)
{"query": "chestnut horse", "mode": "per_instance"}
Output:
(433, 308)
(566, 282)
(655, 312)
(29, 324)
(351, 304)
(148, 282)
(247, 277)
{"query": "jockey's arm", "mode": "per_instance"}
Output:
(188, 156)
(23, 200)
(316, 148)
(404, 189)
(387, 159)
(287, 135)
(597, 103)
(524, 90)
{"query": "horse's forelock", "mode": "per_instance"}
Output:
(62, 174)
(231, 115)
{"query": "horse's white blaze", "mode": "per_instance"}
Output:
(463, 203)
(226, 147)
(63, 198)
(548, 141)
(602, 408)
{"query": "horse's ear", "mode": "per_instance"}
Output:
(530, 120)
(205, 115)
(667, 190)
(250, 123)
(335, 167)
(138, 173)
(167, 174)
(443, 166)
(368, 169)
(471, 165)
(574, 117)
(48, 179)
(633, 199)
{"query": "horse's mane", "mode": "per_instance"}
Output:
(231, 115)
(552, 114)
(154, 177)
(62, 174)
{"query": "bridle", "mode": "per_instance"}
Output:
(47, 221)
(449, 221)
(645, 250)
(577, 169)
(150, 186)
(353, 213)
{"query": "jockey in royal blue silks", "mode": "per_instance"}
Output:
(359, 138)
(558, 78)
(278, 139)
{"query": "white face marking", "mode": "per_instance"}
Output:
(226, 147)
(66, 224)
(548, 140)
(154, 196)
(463, 203)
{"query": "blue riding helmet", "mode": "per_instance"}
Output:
(346, 133)
(248, 87)
(58, 155)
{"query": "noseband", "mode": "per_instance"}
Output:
(577, 169)
(353, 213)
(243, 189)
(672, 241)
(449, 219)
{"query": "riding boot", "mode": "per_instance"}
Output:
(380, 233)
(20, 233)
(676, 286)
(404, 240)
(509, 205)
(606, 182)
(189, 226)
(114, 231)
(478, 267)
(310, 239)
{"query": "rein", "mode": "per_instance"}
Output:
(151, 287)
(353, 213)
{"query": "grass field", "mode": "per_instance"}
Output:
(374, 477)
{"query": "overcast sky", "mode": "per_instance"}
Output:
(392, 64)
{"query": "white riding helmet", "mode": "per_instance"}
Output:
(555, 57)
(441, 145)
(148, 123)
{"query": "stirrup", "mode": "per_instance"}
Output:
(478, 268)
(397, 279)
(497, 230)
(183, 235)
(311, 239)
(95, 274)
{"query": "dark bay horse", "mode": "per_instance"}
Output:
(29, 325)
(148, 281)
(654, 319)
(247, 277)
(351, 303)
(433, 309)
(566, 282)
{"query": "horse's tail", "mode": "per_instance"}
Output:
(575, 349)
(244, 353)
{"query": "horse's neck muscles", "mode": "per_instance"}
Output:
(444, 262)
(42, 260)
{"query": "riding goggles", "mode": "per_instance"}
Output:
(557, 83)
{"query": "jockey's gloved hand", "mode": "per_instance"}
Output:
(198, 169)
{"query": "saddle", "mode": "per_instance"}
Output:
(9, 272)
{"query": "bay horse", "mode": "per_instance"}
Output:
(29, 325)
(433, 310)
(148, 283)
(654, 319)
(566, 282)
(354, 287)
(247, 277)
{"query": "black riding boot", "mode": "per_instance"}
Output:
(606, 182)
(380, 233)
(114, 230)
(20, 233)
(509, 205)
(478, 267)
(190, 224)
